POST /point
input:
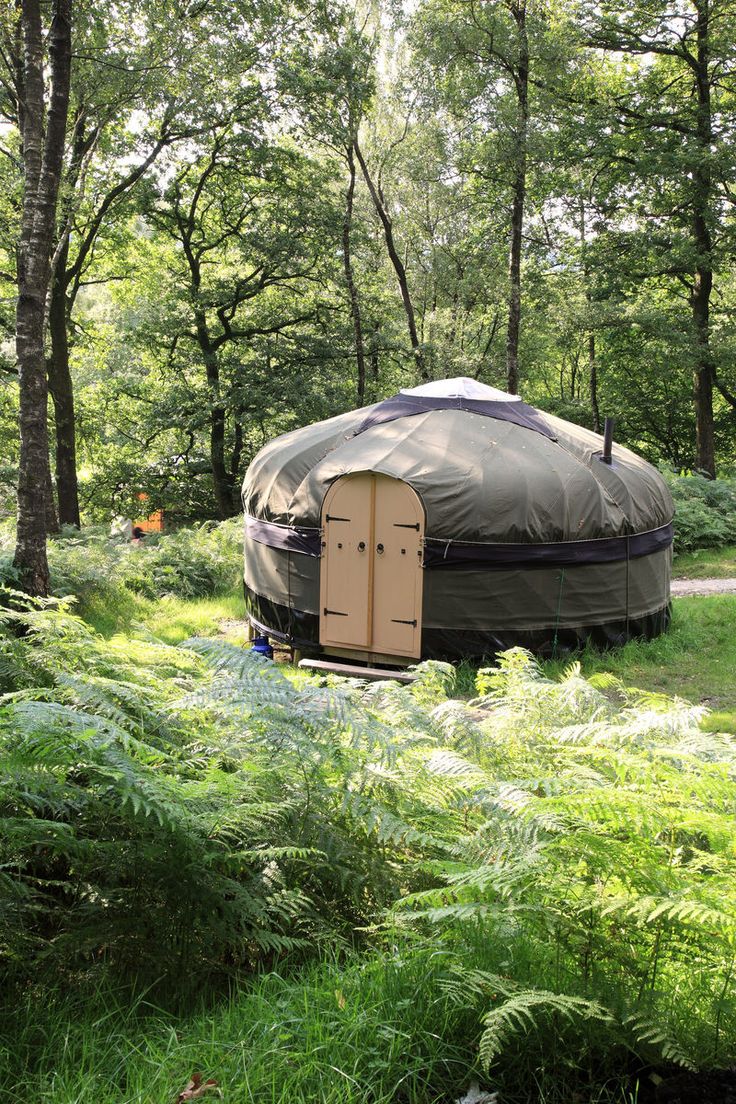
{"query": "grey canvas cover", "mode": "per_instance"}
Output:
(526, 527)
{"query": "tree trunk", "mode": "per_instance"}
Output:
(592, 361)
(398, 264)
(62, 393)
(42, 162)
(350, 277)
(52, 518)
(703, 281)
(235, 459)
(374, 355)
(220, 475)
(521, 78)
(593, 382)
(221, 478)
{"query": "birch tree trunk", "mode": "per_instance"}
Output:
(42, 156)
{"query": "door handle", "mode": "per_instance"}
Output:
(379, 549)
(361, 546)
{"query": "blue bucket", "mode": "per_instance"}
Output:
(262, 646)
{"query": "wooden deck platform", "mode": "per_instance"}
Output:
(372, 674)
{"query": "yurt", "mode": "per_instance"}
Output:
(453, 520)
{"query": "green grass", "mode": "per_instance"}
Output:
(334, 1037)
(112, 612)
(331, 1035)
(696, 659)
(375, 1029)
(170, 619)
(176, 619)
(706, 563)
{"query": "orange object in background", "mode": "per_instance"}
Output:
(153, 523)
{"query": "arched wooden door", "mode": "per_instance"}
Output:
(371, 573)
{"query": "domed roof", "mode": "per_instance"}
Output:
(461, 387)
(488, 468)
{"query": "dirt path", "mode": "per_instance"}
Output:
(686, 587)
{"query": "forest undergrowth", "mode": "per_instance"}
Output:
(334, 891)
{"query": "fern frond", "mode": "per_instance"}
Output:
(525, 1011)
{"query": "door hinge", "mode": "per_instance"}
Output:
(334, 613)
(396, 621)
(331, 517)
(403, 525)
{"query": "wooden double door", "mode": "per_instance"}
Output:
(371, 571)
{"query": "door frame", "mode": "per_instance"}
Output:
(368, 654)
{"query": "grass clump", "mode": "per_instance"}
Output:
(372, 1029)
(174, 620)
(706, 563)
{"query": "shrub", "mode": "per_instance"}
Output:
(188, 563)
(191, 809)
(601, 859)
(705, 510)
(101, 571)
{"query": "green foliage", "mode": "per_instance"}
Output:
(183, 811)
(597, 889)
(705, 510)
(189, 563)
(563, 849)
(104, 574)
(206, 189)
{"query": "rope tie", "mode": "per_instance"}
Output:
(628, 560)
(557, 614)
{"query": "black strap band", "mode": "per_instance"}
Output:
(439, 553)
(304, 539)
(448, 553)
(405, 406)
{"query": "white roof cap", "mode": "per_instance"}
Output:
(460, 388)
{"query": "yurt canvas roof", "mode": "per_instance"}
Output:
(488, 468)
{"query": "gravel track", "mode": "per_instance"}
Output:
(682, 588)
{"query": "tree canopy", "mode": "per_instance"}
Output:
(268, 213)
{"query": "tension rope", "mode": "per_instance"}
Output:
(557, 614)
